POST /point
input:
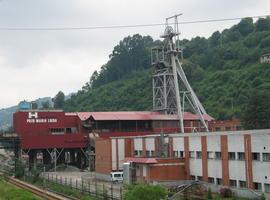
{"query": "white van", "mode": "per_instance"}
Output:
(117, 176)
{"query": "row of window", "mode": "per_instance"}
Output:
(138, 153)
(231, 155)
(56, 131)
(233, 183)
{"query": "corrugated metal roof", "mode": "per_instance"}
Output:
(135, 115)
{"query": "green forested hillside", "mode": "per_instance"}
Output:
(224, 71)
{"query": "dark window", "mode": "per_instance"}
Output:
(219, 181)
(233, 183)
(211, 180)
(267, 188)
(181, 154)
(199, 178)
(231, 155)
(266, 157)
(218, 155)
(217, 129)
(241, 155)
(57, 131)
(256, 156)
(228, 128)
(242, 184)
(257, 186)
(199, 154)
(193, 177)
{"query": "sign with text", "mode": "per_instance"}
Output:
(33, 118)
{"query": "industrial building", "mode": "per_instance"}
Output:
(54, 137)
(170, 143)
(240, 159)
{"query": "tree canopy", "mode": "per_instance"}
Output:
(59, 100)
(257, 112)
(222, 69)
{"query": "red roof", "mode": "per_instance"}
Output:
(141, 160)
(135, 115)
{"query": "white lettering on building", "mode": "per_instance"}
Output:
(33, 118)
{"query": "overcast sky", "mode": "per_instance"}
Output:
(40, 63)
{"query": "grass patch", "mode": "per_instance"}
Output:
(8, 191)
(60, 189)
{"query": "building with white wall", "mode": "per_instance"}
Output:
(239, 159)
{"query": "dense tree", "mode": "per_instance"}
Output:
(46, 105)
(263, 24)
(59, 100)
(222, 70)
(257, 112)
(246, 26)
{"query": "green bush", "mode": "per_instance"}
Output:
(209, 194)
(145, 192)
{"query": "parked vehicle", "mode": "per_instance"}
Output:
(117, 176)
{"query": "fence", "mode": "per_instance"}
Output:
(88, 187)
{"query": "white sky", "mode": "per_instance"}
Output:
(40, 63)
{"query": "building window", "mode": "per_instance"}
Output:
(267, 188)
(266, 157)
(228, 128)
(71, 130)
(219, 181)
(233, 183)
(57, 131)
(181, 154)
(211, 180)
(150, 153)
(238, 128)
(241, 155)
(175, 154)
(218, 155)
(217, 129)
(199, 154)
(210, 155)
(231, 155)
(257, 186)
(256, 156)
(192, 154)
(192, 177)
(136, 153)
(242, 184)
(140, 153)
(199, 178)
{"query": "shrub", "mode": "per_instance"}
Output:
(209, 194)
(145, 192)
(262, 197)
(226, 192)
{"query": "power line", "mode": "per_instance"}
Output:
(121, 26)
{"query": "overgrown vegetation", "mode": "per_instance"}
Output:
(146, 192)
(59, 188)
(8, 191)
(223, 70)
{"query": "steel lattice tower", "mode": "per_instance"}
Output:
(172, 93)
